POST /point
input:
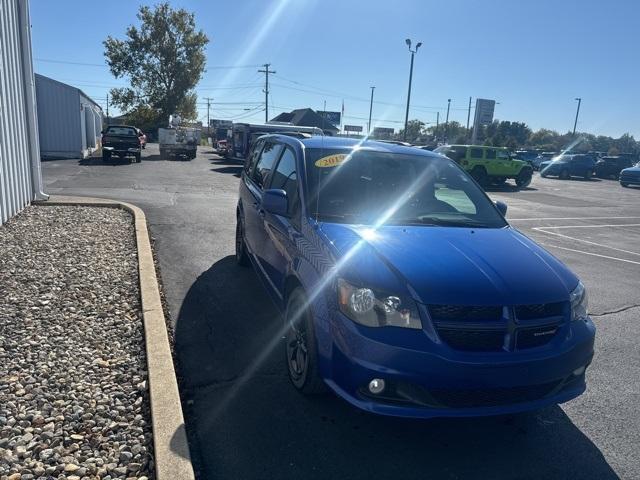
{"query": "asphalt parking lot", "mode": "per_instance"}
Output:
(246, 421)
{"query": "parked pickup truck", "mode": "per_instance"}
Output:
(120, 141)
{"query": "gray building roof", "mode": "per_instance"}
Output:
(306, 117)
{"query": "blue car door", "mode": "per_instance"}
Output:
(255, 235)
(279, 249)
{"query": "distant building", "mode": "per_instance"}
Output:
(20, 176)
(69, 122)
(306, 117)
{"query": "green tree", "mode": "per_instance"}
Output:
(163, 59)
(415, 131)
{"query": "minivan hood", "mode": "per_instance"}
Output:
(459, 266)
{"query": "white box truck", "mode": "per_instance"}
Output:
(177, 140)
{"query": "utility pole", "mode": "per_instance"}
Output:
(324, 115)
(406, 116)
(208, 99)
(437, 126)
(107, 109)
(446, 122)
(575, 124)
(266, 72)
(371, 110)
(469, 113)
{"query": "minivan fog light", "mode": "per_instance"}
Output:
(376, 386)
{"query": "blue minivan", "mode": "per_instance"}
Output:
(403, 288)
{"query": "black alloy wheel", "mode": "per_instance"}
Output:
(300, 346)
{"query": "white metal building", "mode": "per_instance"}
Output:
(20, 177)
(69, 122)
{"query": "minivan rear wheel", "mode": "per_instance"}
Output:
(242, 258)
(564, 174)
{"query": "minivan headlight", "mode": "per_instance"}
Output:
(377, 309)
(579, 303)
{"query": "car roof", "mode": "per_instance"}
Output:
(336, 143)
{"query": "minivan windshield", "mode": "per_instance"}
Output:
(379, 188)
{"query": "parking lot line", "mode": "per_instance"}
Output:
(590, 253)
(568, 218)
(591, 226)
(556, 234)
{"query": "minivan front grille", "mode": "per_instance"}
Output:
(541, 310)
(465, 312)
(494, 328)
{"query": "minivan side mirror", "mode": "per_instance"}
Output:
(275, 201)
(502, 207)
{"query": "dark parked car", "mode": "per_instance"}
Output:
(630, 176)
(610, 167)
(566, 166)
(121, 141)
(543, 157)
(404, 289)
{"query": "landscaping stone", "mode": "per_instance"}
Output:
(72, 356)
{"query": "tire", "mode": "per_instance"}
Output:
(138, 157)
(625, 185)
(480, 176)
(301, 351)
(106, 156)
(242, 257)
(564, 175)
(523, 179)
(163, 153)
(588, 174)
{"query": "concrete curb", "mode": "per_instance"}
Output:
(171, 449)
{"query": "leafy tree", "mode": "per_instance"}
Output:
(415, 131)
(163, 59)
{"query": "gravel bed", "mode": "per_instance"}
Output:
(73, 391)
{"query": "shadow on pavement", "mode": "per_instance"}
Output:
(245, 420)
(114, 161)
(507, 187)
(235, 170)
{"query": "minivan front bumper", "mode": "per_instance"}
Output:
(425, 384)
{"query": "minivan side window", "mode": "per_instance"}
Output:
(268, 157)
(252, 159)
(285, 177)
(476, 153)
(491, 154)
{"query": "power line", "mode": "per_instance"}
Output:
(85, 64)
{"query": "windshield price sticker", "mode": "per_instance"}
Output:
(331, 160)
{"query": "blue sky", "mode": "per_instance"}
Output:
(533, 57)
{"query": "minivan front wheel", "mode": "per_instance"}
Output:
(300, 345)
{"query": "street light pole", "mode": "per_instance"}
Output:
(575, 124)
(446, 122)
(413, 52)
(370, 110)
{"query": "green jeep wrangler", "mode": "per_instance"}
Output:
(488, 165)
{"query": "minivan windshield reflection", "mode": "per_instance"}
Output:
(374, 188)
